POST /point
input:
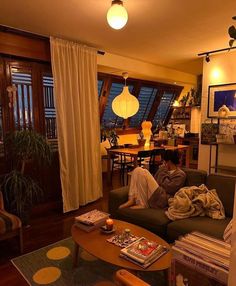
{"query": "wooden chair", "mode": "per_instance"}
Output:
(143, 161)
(156, 160)
(120, 162)
(10, 225)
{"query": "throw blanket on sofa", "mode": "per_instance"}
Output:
(195, 201)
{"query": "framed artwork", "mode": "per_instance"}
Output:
(208, 133)
(219, 95)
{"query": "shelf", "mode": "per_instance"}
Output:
(221, 169)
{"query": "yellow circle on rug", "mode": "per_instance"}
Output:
(57, 253)
(104, 283)
(47, 275)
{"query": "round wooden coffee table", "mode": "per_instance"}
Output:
(96, 244)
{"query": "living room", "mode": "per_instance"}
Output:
(156, 54)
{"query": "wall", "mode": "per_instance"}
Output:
(114, 64)
(221, 69)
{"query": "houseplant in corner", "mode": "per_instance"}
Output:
(20, 190)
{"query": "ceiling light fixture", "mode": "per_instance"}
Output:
(117, 15)
(125, 104)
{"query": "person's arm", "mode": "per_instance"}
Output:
(171, 183)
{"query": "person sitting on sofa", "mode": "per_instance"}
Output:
(147, 191)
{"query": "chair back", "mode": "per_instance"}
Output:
(156, 159)
(143, 154)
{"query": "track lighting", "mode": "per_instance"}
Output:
(207, 58)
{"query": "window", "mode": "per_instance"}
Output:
(49, 107)
(146, 98)
(100, 84)
(23, 105)
(163, 109)
(110, 119)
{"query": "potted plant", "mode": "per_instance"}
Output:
(19, 189)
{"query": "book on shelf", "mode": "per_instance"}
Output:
(143, 252)
(91, 218)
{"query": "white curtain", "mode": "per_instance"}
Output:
(75, 87)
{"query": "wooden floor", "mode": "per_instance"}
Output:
(44, 229)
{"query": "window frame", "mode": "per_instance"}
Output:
(108, 79)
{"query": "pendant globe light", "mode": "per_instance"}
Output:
(117, 15)
(125, 104)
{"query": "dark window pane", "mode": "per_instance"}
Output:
(163, 109)
(100, 83)
(146, 98)
(110, 119)
(49, 107)
(23, 106)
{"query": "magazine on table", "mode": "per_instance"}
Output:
(93, 217)
(143, 251)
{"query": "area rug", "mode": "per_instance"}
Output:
(52, 265)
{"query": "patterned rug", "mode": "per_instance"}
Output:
(52, 265)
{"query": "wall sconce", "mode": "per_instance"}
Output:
(117, 15)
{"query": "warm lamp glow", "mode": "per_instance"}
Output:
(176, 103)
(117, 15)
(125, 105)
(147, 132)
(216, 73)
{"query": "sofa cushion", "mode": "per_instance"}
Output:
(154, 220)
(225, 187)
(205, 225)
(195, 177)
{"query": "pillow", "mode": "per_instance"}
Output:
(228, 232)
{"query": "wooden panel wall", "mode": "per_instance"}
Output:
(11, 43)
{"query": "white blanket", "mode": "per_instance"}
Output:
(195, 201)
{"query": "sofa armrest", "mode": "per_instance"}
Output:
(116, 198)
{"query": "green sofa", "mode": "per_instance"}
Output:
(156, 221)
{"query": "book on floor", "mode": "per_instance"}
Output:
(93, 217)
(143, 252)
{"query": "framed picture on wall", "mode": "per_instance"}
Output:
(222, 95)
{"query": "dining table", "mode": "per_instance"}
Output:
(133, 152)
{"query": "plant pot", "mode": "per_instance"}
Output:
(141, 142)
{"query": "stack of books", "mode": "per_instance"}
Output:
(197, 256)
(143, 252)
(91, 220)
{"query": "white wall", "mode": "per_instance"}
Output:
(114, 64)
(221, 69)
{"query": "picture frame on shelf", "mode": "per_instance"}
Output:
(219, 96)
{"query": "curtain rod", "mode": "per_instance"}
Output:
(31, 35)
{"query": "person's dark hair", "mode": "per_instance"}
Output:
(171, 155)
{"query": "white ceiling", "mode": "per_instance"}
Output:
(165, 32)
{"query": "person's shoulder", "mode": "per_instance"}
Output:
(181, 172)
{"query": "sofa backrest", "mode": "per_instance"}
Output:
(225, 187)
(195, 177)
